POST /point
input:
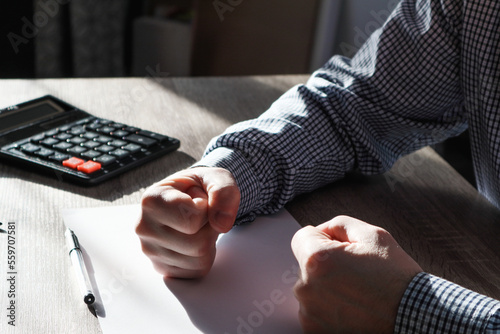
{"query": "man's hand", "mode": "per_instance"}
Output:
(182, 217)
(353, 276)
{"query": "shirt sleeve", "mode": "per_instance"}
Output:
(434, 305)
(399, 93)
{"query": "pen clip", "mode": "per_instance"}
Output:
(72, 240)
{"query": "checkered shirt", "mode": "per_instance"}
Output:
(431, 72)
(433, 305)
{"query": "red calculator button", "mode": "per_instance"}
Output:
(89, 167)
(72, 162)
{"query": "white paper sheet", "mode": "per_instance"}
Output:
(248, 290)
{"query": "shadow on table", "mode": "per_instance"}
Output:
(254, 95)
(125, 184)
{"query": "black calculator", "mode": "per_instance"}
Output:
(50, 135)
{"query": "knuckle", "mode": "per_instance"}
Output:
(189, 228)
(202, 247)
(143, 228)
(382, 236)
(340, 219)
(140, 228)
(151, 197)
(382, 232)
(149, 250)
(302, 290)
(164, 269)
(300, 237)
(202, 243)
(312, 264)
(190, 218)
(159, 256)
(204, 263)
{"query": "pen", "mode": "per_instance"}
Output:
(76, 256)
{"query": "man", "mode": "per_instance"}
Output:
(429, 73)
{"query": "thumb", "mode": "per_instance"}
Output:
(307, 245)
(350, 230)
(223, 198)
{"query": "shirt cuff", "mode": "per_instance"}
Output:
(434, 305)
(246, 180)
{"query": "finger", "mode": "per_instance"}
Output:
(351, 230)
(194, 245)
(197, 194)
(167, 206)
(168, 262)
(223, 198)
(310, 245)
(308, 240)
(176, 272)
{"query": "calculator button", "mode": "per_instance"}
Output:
(106, 129)
(63, 136)
(91, 144)
(85, 121)
(72, 162)
(90, 135)
(29, 148)
(119, 153)
(93, 126)
(52, 132)
(90, 154)
(118, 125)
(76, 150)
(120, 133)
(132, 148)
(60, 157)
(36, 139)
(105, 159)
(105, 148)
(49, 141)
(89, 167)
(77, 130)
(63, 146)
(140, 140)
(44, 152)
(153, 135)
(118, 143)
(132, 129)
(103, 139)
(77, 140)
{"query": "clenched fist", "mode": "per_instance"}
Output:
(183, 215)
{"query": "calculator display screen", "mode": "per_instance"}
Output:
(28, 114)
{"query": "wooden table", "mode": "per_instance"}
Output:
(430, 209)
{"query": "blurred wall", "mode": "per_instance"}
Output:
(85, 38)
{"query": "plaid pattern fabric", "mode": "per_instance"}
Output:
(434, 305)
(431, 71)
